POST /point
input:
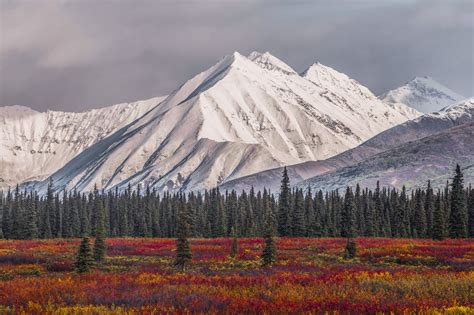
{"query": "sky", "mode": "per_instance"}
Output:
(76, 55)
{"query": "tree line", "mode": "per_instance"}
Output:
(381, 212)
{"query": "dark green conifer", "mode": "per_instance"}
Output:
(347, 215)
(183, 250)
(298, 225)
(31, 226)
(429, 209)
(84, 260)
(234, 248)
(284, 218)
(471, 212)
(309, 211)
(45, 227)
(439, 222)
(351, 249)
(269, 249)
(315, 228)
(100, 247)
(458, 215)
(369, 217)
(6, 216)
(419, 215)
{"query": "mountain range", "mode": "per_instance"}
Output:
(233, 125)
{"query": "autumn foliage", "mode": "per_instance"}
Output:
(311, 275)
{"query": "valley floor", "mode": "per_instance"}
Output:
(389, 275)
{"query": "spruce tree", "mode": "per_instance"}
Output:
(48, 209)
(284, 223)
(6, 217)
(74, 222)
(351, 249)
(429, 209)
(398, 204)
(458, 215)
(18, 220)
(439, 225)
(369, 217)
(347, 215)
(419, 215)
(269, 249)
(377, 210)
(471, 213)
(234, 248)
(298, 216)
(183, 250)
(315, 228)
(100, 247)
(359, 227)
(31, 227)
(84, 260)
(309, 211)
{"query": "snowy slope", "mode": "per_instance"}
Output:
(410, 131)
(33, 145)
(241, 116)
(423, 94)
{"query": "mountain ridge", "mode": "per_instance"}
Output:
(251, 115)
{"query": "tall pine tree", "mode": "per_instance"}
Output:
(284, 211)
(269, 249)
(84, 260)
(99, 244)
(183, 250)
(439, 222)
(347, 215)
(458, 215)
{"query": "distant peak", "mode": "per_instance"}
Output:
(424, 94)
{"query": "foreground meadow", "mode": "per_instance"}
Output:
(389, 275)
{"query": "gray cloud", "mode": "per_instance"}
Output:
(75, 55)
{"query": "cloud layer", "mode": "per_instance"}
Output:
(76, 55)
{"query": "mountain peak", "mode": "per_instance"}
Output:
(321, 74)
(424, 94)
(329, 78)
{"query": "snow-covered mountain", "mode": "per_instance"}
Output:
(34, 145)
(241, 116)
(387, 141)
(423, 94)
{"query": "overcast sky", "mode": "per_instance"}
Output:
(76, 55)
